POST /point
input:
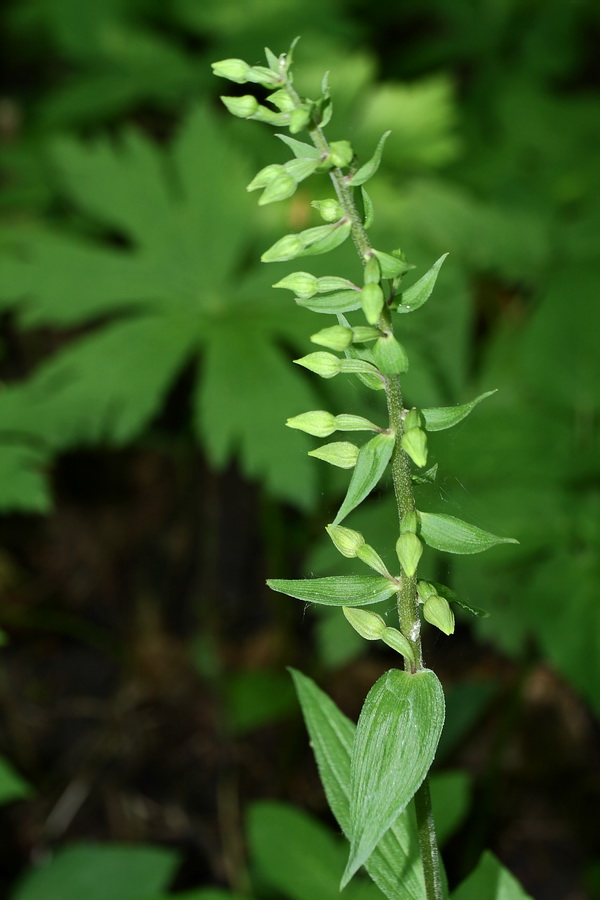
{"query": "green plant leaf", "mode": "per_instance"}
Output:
(283, 838)
(450, 796)
(299, 148)
(368, 170)
(455, 536)
(99, 872)
(337, 590)
(490, 880)
(23, 486)
(372, 461)
(340, 302)
(452, 597)
(438, 419)
(12, 785)
(395, 864)
(420, 292)
(396, 738)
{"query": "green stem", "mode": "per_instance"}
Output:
(408, 611)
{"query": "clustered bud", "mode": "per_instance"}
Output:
(414, 439)
(341, 153)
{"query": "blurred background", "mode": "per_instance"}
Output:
(150, 740)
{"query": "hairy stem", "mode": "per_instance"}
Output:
(408, 612)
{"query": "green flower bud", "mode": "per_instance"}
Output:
(234, 69)
(282, 100)
(264, 76)
(368, 624)
(425, 590)
(412, 419)
(414, 442)
(346, 540)
(409, 549)
(303, 284)
(324, 364)
(372, 272)
(372, 300)
(330, 210)
(341, 153)
(265, 177)
(282, 187)
(396, 640)
(390, 355)
(436, 611)
(349, 422)
(243, 107)
(342, 454)
(363, 333)
(336, 338)
(409, 522)
(316, 422)
(287, 247)
(371, 558)
(299, 119)
(300, 169)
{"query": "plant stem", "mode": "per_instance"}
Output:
(408, 611)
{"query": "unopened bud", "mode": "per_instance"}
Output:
(287, 247)
(341, 153)
(371, 558)
(265, 177)
(368, 624)
(329, 210)
(299, 119)
(334, 283)
(390, 355)
(303, 284)
(342, 454)
(371, 298)
(409, 522)
(234, 69)
(336, 337)
(425, 590)
(300, 169)
(414, 442)
(396, 640)
(363, 333)
(263, 75)
(372, 272)
(412, 419)
(282, 187)
(242, 107)
(282, 100)
(409, 549)
(346, 540)
(324, 364)
(316, 422)
(349, 422)
(436, 611)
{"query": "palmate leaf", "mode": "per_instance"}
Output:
(173, 295)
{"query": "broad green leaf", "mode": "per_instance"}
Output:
(12, 785)
(455, 536)
(23, 486)
(452, 597)
(396, 738)
(414, 297)
(370, 466)
(395, 864)
(299, 148)
(99, 872)
(283, 838)
(340, 302)
(450, 798)
(368, 170)
(490, 880)
(448, 416)
(337, 590)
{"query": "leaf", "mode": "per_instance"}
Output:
(453, 597)
(99, 872)
(283, 838)
(438, 419)
(420, 292)
(372, 461)
(337, 590)
(299, 148)
(455, 536)
(12, 785)
(172, 297)
(368, 170)
(450, 795)
(396, 738)
(340, 302)
(490, 880)
(23, 487)
(395, 864)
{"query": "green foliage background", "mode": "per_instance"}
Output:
(128, 271)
